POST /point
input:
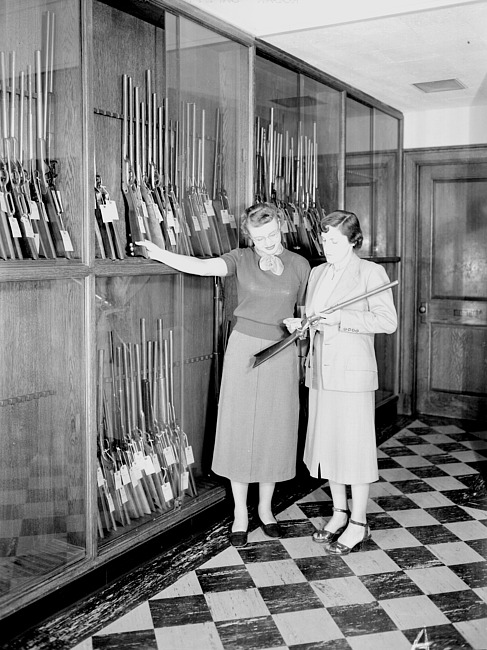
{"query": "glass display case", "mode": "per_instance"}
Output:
(43, 447)
(297, 145)
(372, 158)
(41, 183)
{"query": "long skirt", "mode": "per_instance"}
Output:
(340, 442)
(257, 427)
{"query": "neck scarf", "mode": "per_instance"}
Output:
(271, 263)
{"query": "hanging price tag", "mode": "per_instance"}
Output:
(112, 207)
(172, 237)
(167, 492)
(148, 465)
(100, 479)
(224, 216)
(169, 217)
(14, 227)
(284, 227)
(34, 211)
(3, 203)
(158, 213)
(189, 455)
(118, 480)
(196, 223)
(231, 219)
(156, 463)
(177, 227)
(123, 494)
(37, 240)
(296, 218)
(111, 506)
(205, 221)
(144, 210)
(27, 227)
(106, 217)
(209, 208)
(169, 456)
(135, 475)
(124, 471)
(68, 246)
(184, 480)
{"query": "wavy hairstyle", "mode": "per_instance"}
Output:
(347, 223)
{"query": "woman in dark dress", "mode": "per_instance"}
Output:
(257, 425)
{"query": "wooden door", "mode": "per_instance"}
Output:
(451, 351)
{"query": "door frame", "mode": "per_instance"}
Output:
(413, 160)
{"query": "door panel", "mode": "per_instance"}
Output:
(452, 290)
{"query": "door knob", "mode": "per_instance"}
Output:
(422, 308)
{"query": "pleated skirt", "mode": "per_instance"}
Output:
(257, 427)
(340, 440)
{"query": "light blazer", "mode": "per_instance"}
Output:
(347, 353)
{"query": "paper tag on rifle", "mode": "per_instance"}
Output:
(172, 237)
(106, 216)
(231, 219)
(158, 213)
(196, 223)
(284, 227)
(27, 227)
(224, 216)
(148, 465)
(111, 505)
(139, 460)
(177, 226)
(184, 480)
(144, 210)
(169, 217)
(123, 494)
(34, 211)
(3, 203)
(134, 475)
(209, 208)
(205, 221)
(68, 246)
(100, 479)
(141, 224)
(37, 241)
(118, 479)
(167, 491)
(189, 455)
(14, 227)
(156, 463)
(296, 218)
(112, 206)
(169, 456)
(124, 471)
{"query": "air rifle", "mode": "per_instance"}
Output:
(274, 349)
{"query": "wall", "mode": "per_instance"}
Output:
(445, 127)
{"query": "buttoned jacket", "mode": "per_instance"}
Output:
(348, 361)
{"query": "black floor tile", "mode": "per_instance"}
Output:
(411, 486)
(474, 574)
(413, 557)
(390, 585)
(323, 568)
(387, 463)
(442, 637)
(317, 508)
(395, 503)
(354, 620)
(428, 471)
(268, 551)
(460, 605)
(336, 644)
(296, 528)
(138, 640)
(433, 534)
(381, 521)
(449, 514)
(224, 578)
(182, 610)
(290, 598)
(249, 634)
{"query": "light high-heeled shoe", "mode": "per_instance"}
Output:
(337, 548)
(327, 536)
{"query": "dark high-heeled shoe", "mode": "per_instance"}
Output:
(327, 536)
(238, 538)
(337, 548)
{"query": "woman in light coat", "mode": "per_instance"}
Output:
(341, 374)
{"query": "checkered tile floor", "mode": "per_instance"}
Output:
(426, 566)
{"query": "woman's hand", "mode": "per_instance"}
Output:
(292, 324)
(152, 249)
(331, 319)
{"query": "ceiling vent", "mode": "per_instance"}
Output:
(441, 86)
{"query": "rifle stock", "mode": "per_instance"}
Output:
(274, 349)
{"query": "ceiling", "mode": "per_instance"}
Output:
(381, 47)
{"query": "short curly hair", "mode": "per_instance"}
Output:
(257, 215)
(347, 223)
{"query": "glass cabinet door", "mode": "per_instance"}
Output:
(42, 418)
(207, 83)
(41, 127)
